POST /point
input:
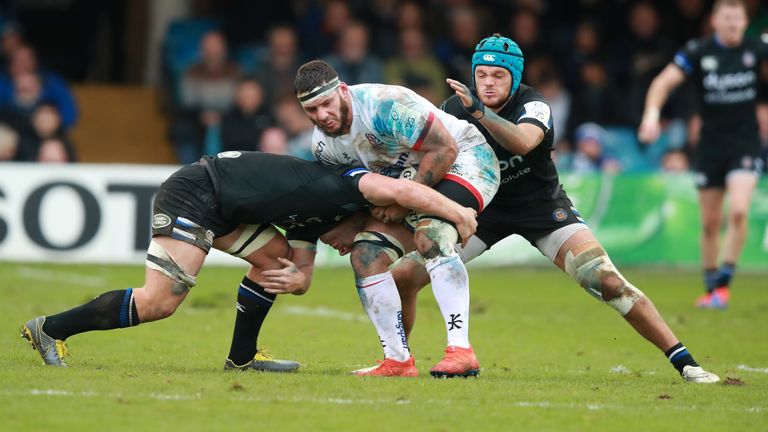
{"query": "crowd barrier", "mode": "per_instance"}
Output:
(101, 214)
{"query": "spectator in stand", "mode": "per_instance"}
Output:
(674, 161)
(10, 40)
(524, 29)
(588, 156)
(298, 127)
(52, 141)
(9, 143)
(586, 46)
(274, 140)
(544, 77)
(416, 63)
(53, 88)
(639, 59)
(352, 60)
(685, 21)
(381, 19)
(456, 52)
(243, 126)
(207, 91)
(594, 98)
(276, 70)
(336, 17)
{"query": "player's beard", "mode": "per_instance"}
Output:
(342, 121)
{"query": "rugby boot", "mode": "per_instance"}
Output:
(263, 361)
(51, 350)
(390, 368)
(717, 299)
(457, 362)
(698, 375)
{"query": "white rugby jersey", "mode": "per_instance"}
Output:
(389, 124)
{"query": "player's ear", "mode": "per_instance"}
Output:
(343, 88)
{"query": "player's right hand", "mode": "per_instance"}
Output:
(649, 131)
(468, 224)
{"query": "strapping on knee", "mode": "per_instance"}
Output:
(443, 236)
(387, 243)
(253, 238)
(159, 259)
(592, 269)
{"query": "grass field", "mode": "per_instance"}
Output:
(552, 359)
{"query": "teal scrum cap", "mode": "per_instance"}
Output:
(500, 51)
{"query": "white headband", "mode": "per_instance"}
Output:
(319, 91)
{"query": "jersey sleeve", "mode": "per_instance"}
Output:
(687, 58)
(406, 119)
(453, 106)
(321, 150)
(535, 111)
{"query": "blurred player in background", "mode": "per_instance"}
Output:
(387, 129)
(517, 122)
(231, 202)
(725, 70)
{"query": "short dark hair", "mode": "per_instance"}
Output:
(313, 74)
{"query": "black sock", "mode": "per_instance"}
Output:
(679, 356)
(711, 277)
(113, 309)
(253, 304)
(726, 272)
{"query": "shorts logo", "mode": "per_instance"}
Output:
(160, 220)
(229, 154)
(559, 215)
(209, 236)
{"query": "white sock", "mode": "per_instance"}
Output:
(450, 284)
(381, 301)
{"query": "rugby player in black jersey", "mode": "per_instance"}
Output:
(233, 202)
(725, 69)
(517, 123)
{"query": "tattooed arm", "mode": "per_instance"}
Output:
(440, 151)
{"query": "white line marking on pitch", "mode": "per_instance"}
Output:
(323, 312)
(340, 401)
(61, 277)
(751, 369)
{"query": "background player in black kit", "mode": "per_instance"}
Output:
(530, 202)
(725, 70)
(231, 202)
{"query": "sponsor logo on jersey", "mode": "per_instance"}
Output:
(709, 63)
(319, 147)
(408, 173)
(559, 214)
(512, 162)
(229, 155)
(160, 220)
(748, 58)
(373, 139)
(489, 58)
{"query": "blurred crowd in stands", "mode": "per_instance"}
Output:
(228, 75)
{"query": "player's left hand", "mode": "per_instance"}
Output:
(287, 280)
(470, 103)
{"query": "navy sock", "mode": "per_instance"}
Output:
(711, 277)
(253, 304)
(679, 356)
(726, 272)
(113, 309)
